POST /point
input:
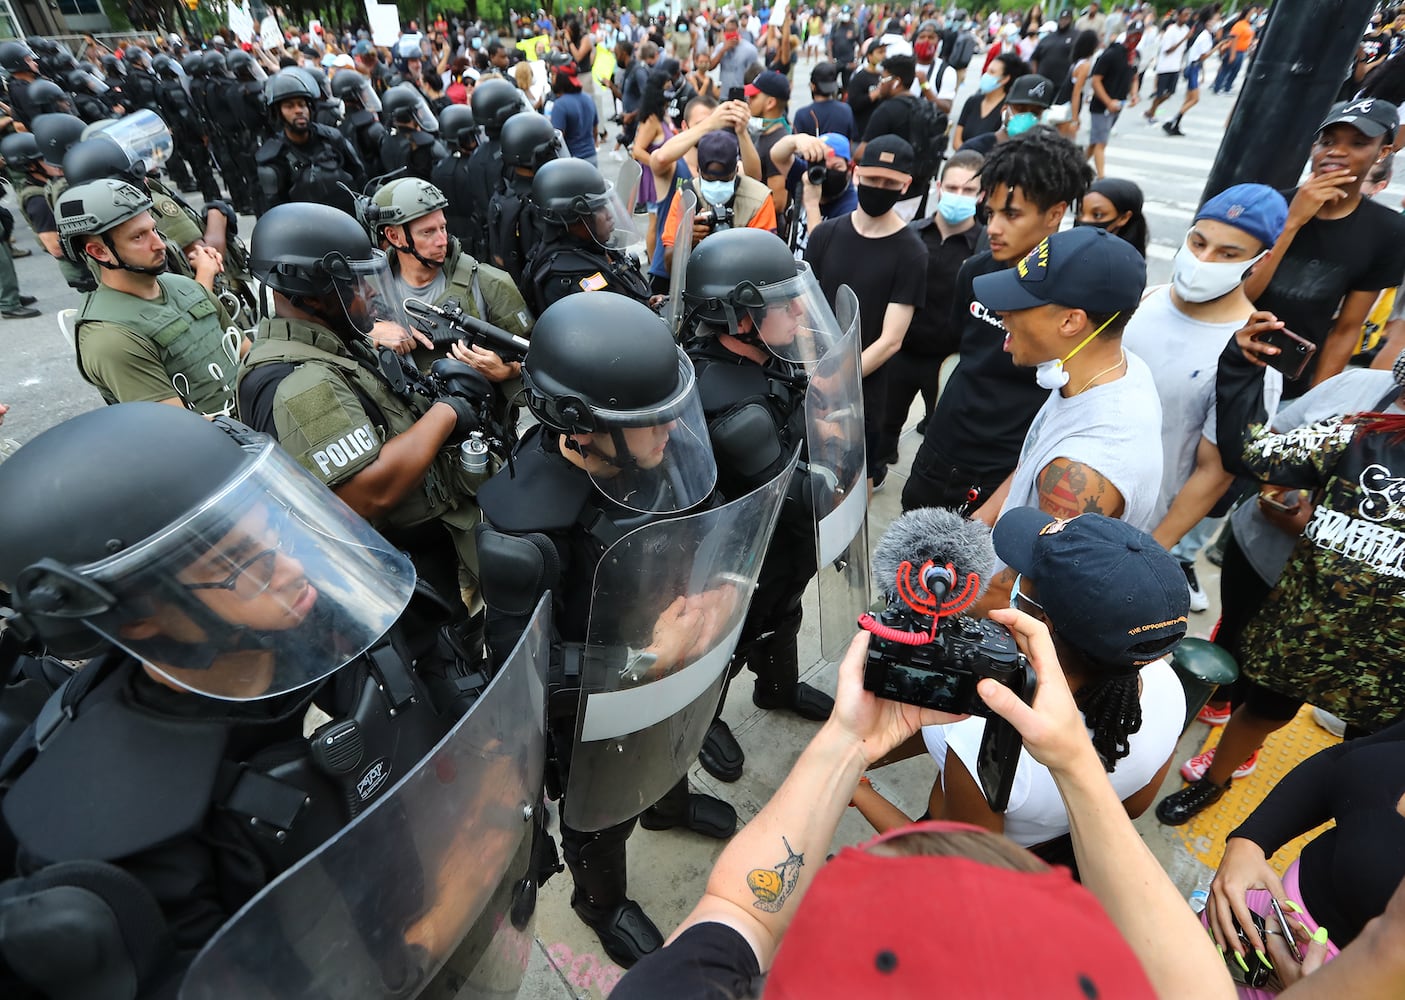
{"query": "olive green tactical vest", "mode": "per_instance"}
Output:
(444, 489)
(72, 273)
(195, 350)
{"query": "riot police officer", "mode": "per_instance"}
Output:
(222, 593)
(361, 123)
(139, 84)
(493, 103)
(752, 316)
(145, 335)
(460, 134)
(430, 264)
(222, 107)
(324, 108)
(608, 508)
(313, 381)
(528, 141)
(304, 161)
(188, 155)
(90, 95)
(48, 98)
(17, 60)
(249, 79)
(22, 156)
(585, 227)
(54, 135)
(412, 143)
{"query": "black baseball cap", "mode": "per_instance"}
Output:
(1371, 116)
(1110, 590)
(1031, 89)
(889, 153)
(1082, 268)
(825, 78)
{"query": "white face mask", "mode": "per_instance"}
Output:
(1196, 280)
(1051, 374)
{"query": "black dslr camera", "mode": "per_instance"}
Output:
(923, 652)
(719, 219)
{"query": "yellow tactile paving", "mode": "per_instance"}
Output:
(1205, 835)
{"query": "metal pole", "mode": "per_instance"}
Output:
(1307, 50)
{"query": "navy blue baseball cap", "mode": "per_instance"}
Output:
(1110, 590)
(1257, 209)
(1081, 268)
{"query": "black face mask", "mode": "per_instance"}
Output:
(836, 182)
(1096, 225)
(876, 201)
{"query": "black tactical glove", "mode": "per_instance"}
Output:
(466, 412)
(462, 379)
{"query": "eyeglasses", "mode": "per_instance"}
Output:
(254, 575)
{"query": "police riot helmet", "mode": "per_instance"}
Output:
(198, 547)
(165, 67)
(751, 273)
(48, 98)
(285, 85)
(458, 127)
(112, 66)
(136, 57)
(404, 105)
(95, 209)
(60, 61)
(98, 157)
(42, 45)
(215, 64)
(316, 254)
(16, 57)
(84, 81)
(351, 88)
(143, 135)
(219, 42)
(569, 191)
(319, 80)
(493, 103)
(399, 203)
(19, 149)
(244, 67)
(193, 63)
(530, 140)
(56, 134)
(604, 371)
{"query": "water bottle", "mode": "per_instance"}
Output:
(1200, 897)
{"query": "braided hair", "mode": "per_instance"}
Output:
(1044, 165)
(1112, 708)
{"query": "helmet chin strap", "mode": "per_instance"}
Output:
(315, 309)
(626, 464)
(409, 248)
(121, 264)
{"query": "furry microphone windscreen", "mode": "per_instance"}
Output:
(934, 533)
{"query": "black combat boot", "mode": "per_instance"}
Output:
(597, 863)
(702, 814)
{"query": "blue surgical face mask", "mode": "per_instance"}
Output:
(718, 192)
(956, 208)
(989, 81)
(1021, 123)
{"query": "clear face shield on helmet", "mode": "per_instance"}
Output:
(92, 82)
(791, 318)
(656, 460)
(608, 218)
(143, 136)
(269, 586)
(424, 117)
(365, 93)
(370, 295)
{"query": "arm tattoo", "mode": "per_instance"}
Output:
(773, 886)
(1068, 488)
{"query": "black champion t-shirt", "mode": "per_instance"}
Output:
(1328, 259)
(981, 419)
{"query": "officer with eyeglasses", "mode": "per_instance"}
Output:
(261, 659)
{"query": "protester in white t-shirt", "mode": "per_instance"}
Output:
(1113, 655)
(1180, 331)
(1095, 445)
(1170, 58)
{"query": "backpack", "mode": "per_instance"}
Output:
(927, 133)
(962, 50)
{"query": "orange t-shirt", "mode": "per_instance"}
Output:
(1242, 34)
(765, 218)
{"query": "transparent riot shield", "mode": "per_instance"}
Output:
(627, 183)
(839, 482)
(429, 892)
(678, 267)
(665, 615)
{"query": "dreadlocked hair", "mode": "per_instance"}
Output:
(1044, 165)
(1112, 708)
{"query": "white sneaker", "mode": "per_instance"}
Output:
(1329, 722)
(1199, 601)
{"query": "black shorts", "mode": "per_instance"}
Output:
(1166, 84)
